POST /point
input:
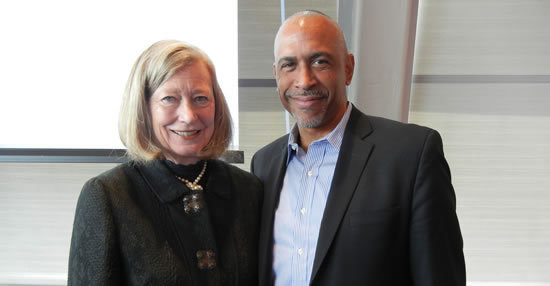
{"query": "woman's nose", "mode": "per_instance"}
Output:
(186, 112)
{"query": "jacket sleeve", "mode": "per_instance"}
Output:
(252, 164)
(94, 254)
(435, 239)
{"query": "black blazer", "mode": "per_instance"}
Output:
(130, 228)
(390, 216)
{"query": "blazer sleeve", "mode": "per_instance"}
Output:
(435, 239)
(94, 254)
(252, 164)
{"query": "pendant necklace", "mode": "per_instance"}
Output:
(194, 186)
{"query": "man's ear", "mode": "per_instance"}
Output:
(350, 65)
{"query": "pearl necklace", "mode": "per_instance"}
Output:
(194, 186)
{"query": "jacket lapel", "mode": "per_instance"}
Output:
(161, 181)
(352, 159)
(272, 175)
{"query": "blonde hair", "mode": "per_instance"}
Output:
(153, 67)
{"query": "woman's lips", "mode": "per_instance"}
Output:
(186, 133)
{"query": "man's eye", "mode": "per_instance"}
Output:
(287, 65)
(320, 62)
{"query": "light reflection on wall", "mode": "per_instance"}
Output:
(65, 63)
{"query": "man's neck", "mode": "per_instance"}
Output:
(308, 135)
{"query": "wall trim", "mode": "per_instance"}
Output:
(257, 82)
(39, 155)
(463, 78)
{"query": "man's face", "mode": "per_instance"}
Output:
(312, 70)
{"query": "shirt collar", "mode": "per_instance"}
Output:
(334, 138)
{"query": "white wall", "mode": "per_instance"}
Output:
(65, 63)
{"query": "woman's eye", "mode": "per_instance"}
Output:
(168, 99)
(202, 100)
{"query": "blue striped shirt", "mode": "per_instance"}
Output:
(302, 203)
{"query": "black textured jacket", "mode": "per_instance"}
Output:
(131, 228)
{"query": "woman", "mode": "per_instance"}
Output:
(173, 215)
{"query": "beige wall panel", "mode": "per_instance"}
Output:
(503, 192)
(328, 7)
(258, 24)
(500, 161)
(37, 203)
(482, 98)
(261, 119)
(257, 130)
(259, 99)
(483, 37)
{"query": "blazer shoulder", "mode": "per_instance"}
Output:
(109, 183)
(268, 154)
(393, 130)
(246, 186)
(115, 175)
(240, 176)
(380, 122)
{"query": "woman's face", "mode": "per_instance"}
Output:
(182, 111)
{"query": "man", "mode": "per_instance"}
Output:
(349, 199)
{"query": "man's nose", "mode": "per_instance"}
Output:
(306, 79)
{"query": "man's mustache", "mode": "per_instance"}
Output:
(315, 93)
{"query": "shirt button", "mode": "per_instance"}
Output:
(293, 147)
(309, 173)
(300, 251)
(303, 210)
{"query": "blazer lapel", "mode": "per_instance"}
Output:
(352, 159)
(273, 175)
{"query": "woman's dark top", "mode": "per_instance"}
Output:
(137, 224)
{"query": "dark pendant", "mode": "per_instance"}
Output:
(192, 204)
(206, 259)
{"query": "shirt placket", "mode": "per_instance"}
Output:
(301, 213)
